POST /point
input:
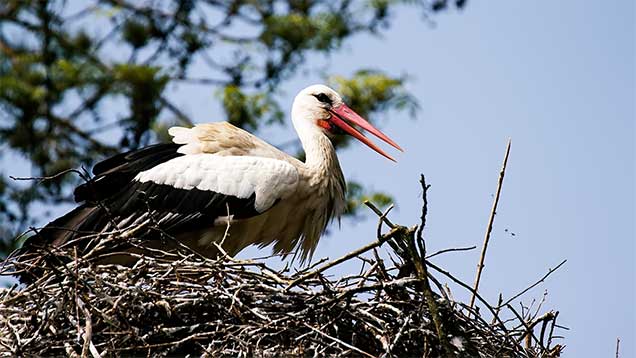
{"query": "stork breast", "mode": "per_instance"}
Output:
(238, 176)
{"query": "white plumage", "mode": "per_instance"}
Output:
(239, 176)
(214, 175)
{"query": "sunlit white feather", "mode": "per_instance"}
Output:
(243, 176)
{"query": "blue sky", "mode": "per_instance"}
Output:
(558, 77)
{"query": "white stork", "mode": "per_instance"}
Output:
(214, 174)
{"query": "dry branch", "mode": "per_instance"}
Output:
(175, 303)
(491, 220)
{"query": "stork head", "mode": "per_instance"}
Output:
(320, 108)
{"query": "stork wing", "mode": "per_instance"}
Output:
(182, 191)
(114, 173)
(222, 138)
(178, 189)
(265, 180)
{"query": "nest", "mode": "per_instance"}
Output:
(178, 303)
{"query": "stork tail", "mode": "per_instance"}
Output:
(81, 220)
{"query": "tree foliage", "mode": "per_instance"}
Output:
(65, 64)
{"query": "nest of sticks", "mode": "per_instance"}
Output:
(178, 303)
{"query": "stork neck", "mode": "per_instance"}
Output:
(319, 151)
(320, 154)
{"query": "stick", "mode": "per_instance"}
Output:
(534, 284)
(339, 341)
(383, 239)
(493, 212)
(379, 213)
(551, 334)
(422, 271)
(529, 333)
(470, 289)
(51, 177)
(452, 249)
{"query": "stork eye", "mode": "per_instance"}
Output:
(323, 98)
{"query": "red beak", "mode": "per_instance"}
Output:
(342, 113)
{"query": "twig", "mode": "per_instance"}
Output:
(339, 341)
(87, 335)
(534, 284)
(529, 332)
(452, 249)
(420, 230)
(394, 232)
(50, 177)
(618, 345)
(491, 220)
(545, 319)
(195, 303)
(470, 289)
(380, 214)
(550, 335)
(420, 266)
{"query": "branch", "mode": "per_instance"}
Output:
(618, 345)
(534, 284)
(470, 289)
(391, 234)
(379, 213)
(452, 249)
(51, 177)
(422, 271)
(493, 212)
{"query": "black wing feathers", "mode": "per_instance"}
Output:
(113, 197)
(139, 197)
(114, 173)
(140, 159)
(113, 200)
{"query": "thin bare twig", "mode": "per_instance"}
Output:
(491, 220)
(452, 249)
(395, 231)
(618, 346)
(376, 311)
(353, 348)
(380, 214)
(550, 271)
(50, 177)
(419, 262)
